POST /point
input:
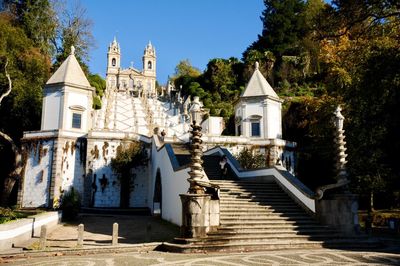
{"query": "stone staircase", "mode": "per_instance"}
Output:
(261, 216)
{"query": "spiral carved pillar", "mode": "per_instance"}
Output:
(196, 168)
(341, 173)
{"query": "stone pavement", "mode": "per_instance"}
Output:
(133, 229)
(137, 244)
(290, 257)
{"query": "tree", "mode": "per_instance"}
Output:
(308, 122)
(129, 156)
(184, 75)
(15, 175)
(29, 69)
(38, 19)
(283, 27)
(100, 85)
(74, 29)
(357, 17)
(185, 68)
(373, 100)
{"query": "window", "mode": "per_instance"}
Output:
(239, 130)
(76, 120)
(255, 129)
(149, 65)
(113, 62)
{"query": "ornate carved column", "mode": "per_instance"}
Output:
(199, 213)
(339, 207)
(341, 172)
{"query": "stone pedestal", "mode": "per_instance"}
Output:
(339, 211)
(200, 215)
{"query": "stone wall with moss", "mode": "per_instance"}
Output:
(37, 174)
(105, 184)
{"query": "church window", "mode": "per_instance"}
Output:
(255, 129)
(76, 120)
(113, 62)
(149, 65)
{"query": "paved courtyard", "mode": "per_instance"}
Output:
(134, 229)
(133, 250)
(290, 257)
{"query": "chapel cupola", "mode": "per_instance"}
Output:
(68, 98)
(258, 114)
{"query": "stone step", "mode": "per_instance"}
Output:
(259, 188)
(255, 197)
(256, 208)
(244, 199)
(223, 238)
(262, 218)
(238, 247)
(262, 214)
(246, 193)
(271, 245)
(272, 230)
(256, 202)
(259, 195)
(266, 223)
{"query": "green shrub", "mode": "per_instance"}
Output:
(70, 204)
(7, 214)
(250, 160)
(96, 102)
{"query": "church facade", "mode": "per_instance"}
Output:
(131, 79)
(76, 144)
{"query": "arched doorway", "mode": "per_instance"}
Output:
(157, 198)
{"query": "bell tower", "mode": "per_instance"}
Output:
(113, 63)
(149, 61)
(113, 57)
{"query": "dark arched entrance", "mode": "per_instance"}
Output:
(157, 198)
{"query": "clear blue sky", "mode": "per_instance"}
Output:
(179, 29)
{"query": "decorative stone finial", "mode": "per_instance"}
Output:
(339, 118)
(72, 50)
(257, 65)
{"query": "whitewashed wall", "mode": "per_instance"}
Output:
(72, 166)
(101, 153)
(172, 183)
(51, 110)
(252, 109)
(273, 120)
(37, 174)
(213, 125)
(82, 99)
